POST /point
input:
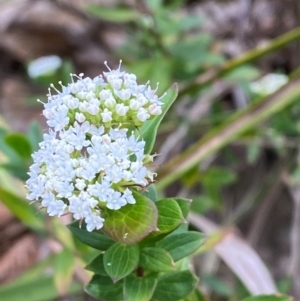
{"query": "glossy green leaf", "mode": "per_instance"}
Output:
(139, 288)
(63, 271)
(22, 210)
(184, 205)
(169, 215)
(180, 245)
(113, 15)
(19, 143)
(97, 266)
(95, 239)
(174, 286)
(156, 260)
(150, 127)
(131, 223)
(101, 287)
(277, 297)
(151, 193)
(120, 260)
(40, 288)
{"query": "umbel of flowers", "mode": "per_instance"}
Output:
(89, 159)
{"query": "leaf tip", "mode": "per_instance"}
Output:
(175, 86)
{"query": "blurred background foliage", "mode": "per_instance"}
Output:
(230, 142)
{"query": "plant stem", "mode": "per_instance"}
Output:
(238, 124)
(247, 57)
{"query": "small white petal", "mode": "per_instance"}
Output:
(106, 115)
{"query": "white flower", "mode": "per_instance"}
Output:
(71, 102)
(115, 201)
(80, 117)
(88, 161)
(107, 97)
(121, 109)
(94, 221)
(106, 115)
(134, 104)
(110, 102)
(123, 94)
(80, 184)
(105, 94)
(128, 196)
(79, 208)
(154, 109)
(142, 114)
(56, 207)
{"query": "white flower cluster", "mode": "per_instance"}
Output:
(105, 100)
(86, 163)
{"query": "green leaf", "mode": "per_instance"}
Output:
(174, 286)
(156, 260)
(218, 177)
(253, 152)
(277, 297)
(119, 15)
(139, 288)
(184, 205)
(101, 287)
(131, 223)
(151, 193)
(189, 22)
(120, 260)
(245, 72)
(188, 49)
(63, 271)
(17, 169)
(20, 144)
(22, 210)
(97, 266)
(35, 135)
(169, 215)
(6, 149)
(154, 5)
(95, 239)
(40, 288)
(216, 285)
(202, 203)
(182, 244)
(150, 70)
(196, 295)
(150, 127)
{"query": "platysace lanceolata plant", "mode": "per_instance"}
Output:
(95, 163)
(88, 159)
